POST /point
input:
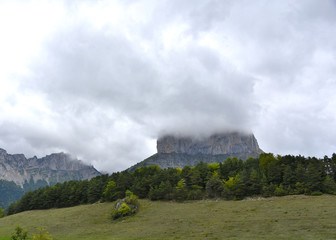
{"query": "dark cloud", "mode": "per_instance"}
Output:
(113, 76)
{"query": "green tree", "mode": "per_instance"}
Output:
(186, 174)
(195, 193)
(255, 186)
(289, 178)
(315, 179)
(1, 212)
(274, 173)
(299, 188)
(111, 192)
(97, 187)
(234, 188)
(300, 173)
(329, 185)
(230, 168)
(268, 190)
(141, 186)
(213, 167)
(195, 178)
(214, 186)
(181, 192)
(202, 168)
(265, 160)
(164, 191)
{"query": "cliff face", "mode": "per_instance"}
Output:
(180, 152)
(57, 167)
(229, 143)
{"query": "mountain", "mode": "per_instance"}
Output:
(230, 143)
(181, 151)
(19, 174)
(57, 167)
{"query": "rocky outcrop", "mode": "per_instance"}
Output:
(182, 151)
(57, 167)
(229, 143)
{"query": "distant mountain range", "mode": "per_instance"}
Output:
(32, 173)
(181, 151)
(57, 167)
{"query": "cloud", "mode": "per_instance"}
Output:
(107, 78)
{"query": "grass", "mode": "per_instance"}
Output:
(290, 217)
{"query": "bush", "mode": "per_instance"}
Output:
(42, 235)
(280, 191)
(19, 234)
(316, 193)
(125, 207)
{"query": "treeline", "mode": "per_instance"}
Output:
(265, 176)
(9, 192)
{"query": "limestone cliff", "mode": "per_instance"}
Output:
(57, 167)
(181, 151)
(217, 144)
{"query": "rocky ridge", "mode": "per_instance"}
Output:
(57, 167)
(214, 145)
(181, 151)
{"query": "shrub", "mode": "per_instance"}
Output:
(316, 193)
(121, 210)
(125, 207)
(19, 234)
(280, 191)
(42, 235)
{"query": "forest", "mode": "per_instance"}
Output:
(9, 192)
(232, 179)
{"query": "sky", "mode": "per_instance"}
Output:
(102, 80)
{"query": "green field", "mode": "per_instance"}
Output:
(290, 217)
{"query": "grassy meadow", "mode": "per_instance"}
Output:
(289, 217)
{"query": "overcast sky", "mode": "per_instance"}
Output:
(102, 80)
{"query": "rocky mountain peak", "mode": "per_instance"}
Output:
(173, 151)
(225, 143)
(2, 151)
(53, 168)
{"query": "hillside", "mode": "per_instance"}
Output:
(290, 217)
